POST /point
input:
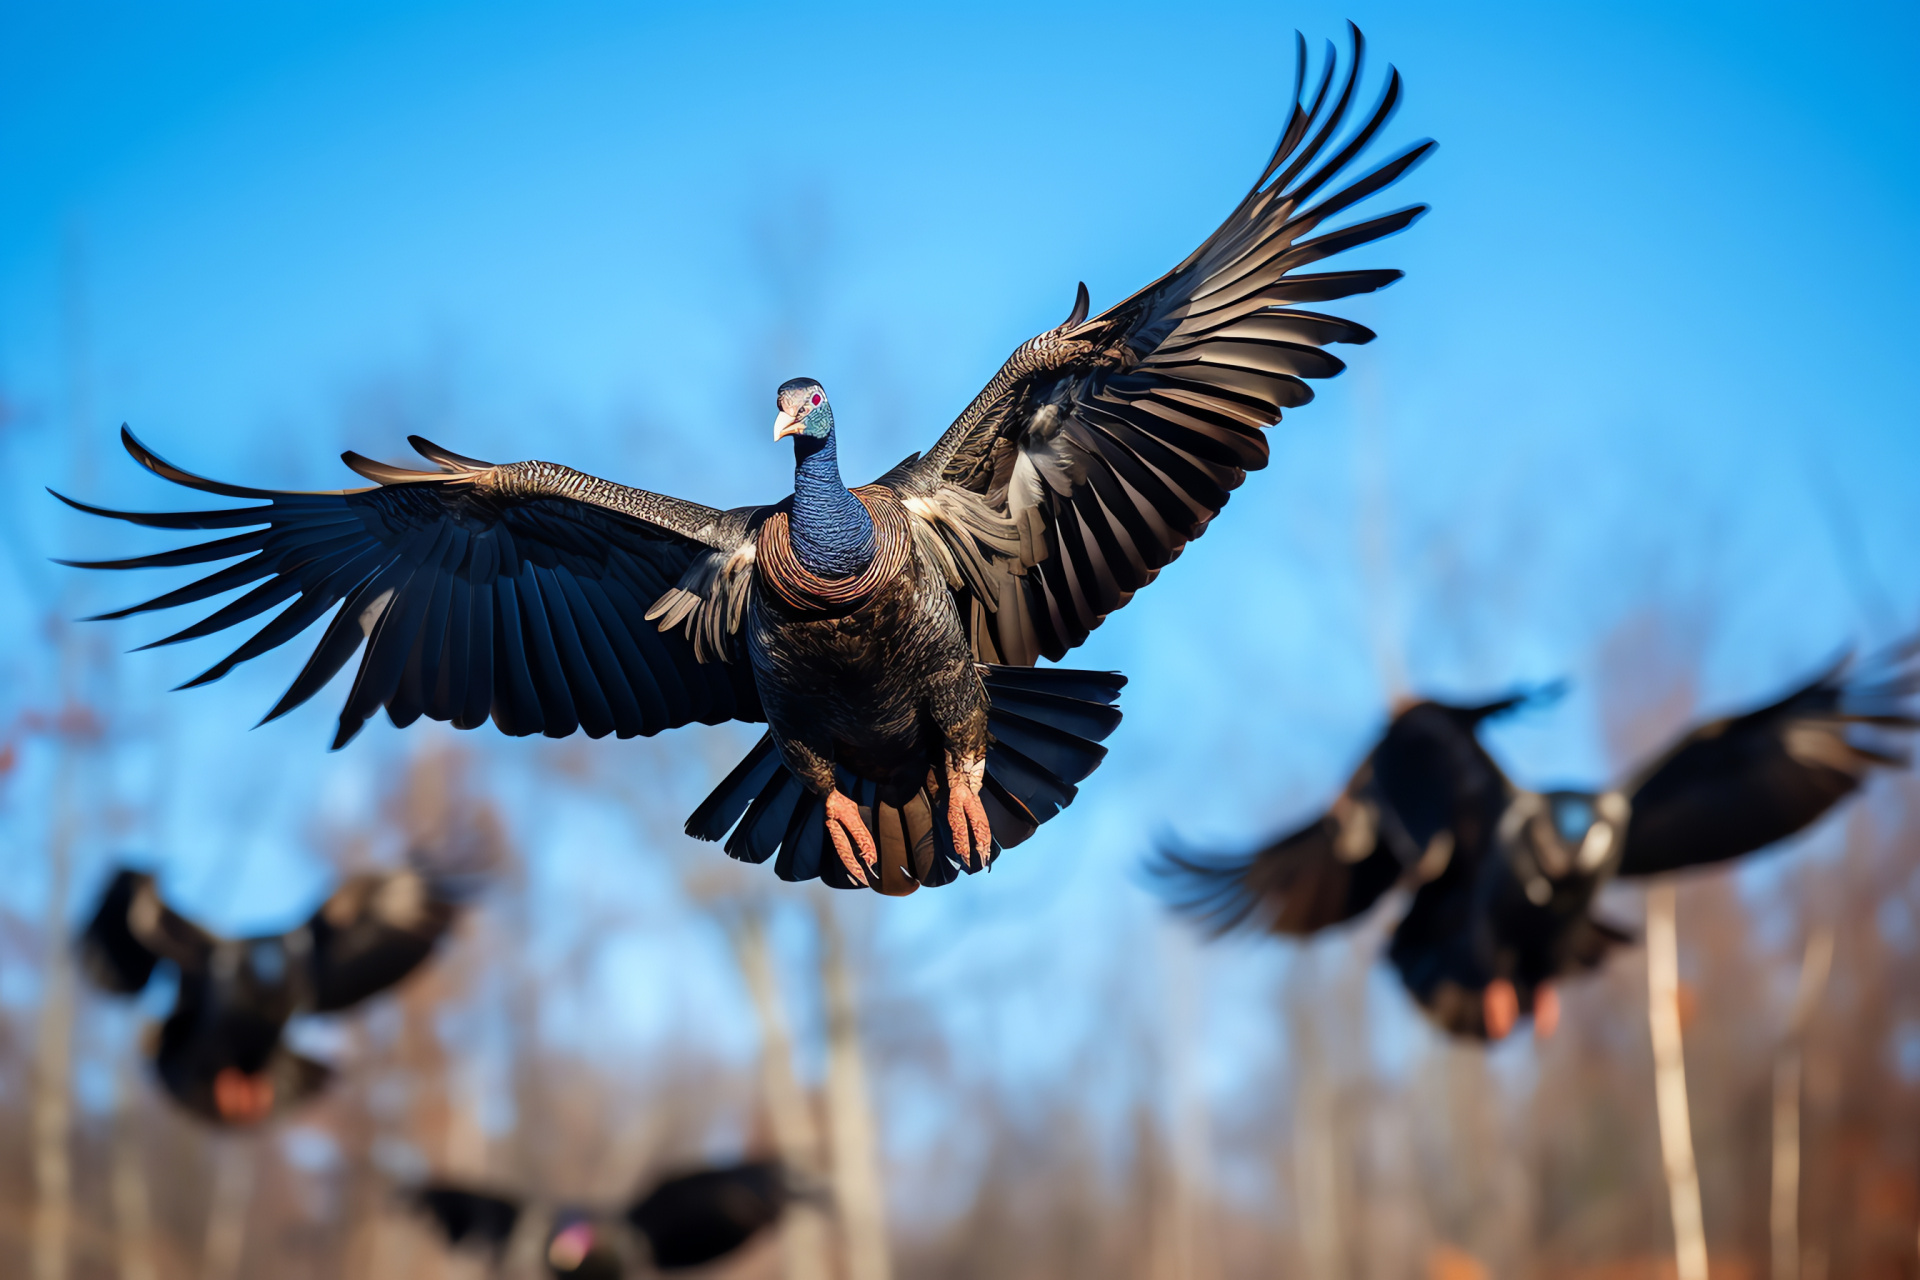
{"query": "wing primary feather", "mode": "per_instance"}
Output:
(219, 549)
(617, 628)
(215, 583)
(447, 459)
(338, 643)
(559, 714)
(1334, 117)
(423, 681)
(255, 602)
(590, 703)
(288, 623)
(230, 518)
(1382, 112)
(394, 633)
(590, 636)
(386, 474)
(1333, 242)
(180, 476)
(1376, 179)
(1082, 302)
(516, 703)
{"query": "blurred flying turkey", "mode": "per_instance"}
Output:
(1504, 878)
(219, 1053)
(687, 1220)
(885, 634)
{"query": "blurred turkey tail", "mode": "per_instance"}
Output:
(1046, 726)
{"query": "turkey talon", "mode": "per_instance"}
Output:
(851, 839)
(1546, 1011)
(241, 1098)
(972, 833)
(1500, 1008)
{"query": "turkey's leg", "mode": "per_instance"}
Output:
(851, 839)
(966, 816)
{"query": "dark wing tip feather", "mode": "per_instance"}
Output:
(446, 458)
(179, 475)
(1208, 889)
(1082, 303)
(87, 507)
(386, 473)
(227, 518)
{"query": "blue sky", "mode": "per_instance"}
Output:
(1649, 375)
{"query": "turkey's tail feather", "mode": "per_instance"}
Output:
(1046, 726)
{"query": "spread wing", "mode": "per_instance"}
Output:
(133, 931)
(1739, 784)
(519, 593)
(1415, 809)
(1328, 871)
(1104, 446)
(463, 1214)
(371, 933)
(695, 1218)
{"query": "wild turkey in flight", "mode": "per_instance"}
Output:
(1504, 878)
(220, 1053)
(687, 1220)
(886, 634)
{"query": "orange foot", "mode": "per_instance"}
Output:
(972, 834)
(1546, 1011)
(849, 834)
(241, 1098)
(1500, 1005)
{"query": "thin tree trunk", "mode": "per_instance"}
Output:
(1814, 966)
(52, 1105)
(533, 1135)
(132, 1211)
(1190, 1255)
(1670, 1084)
(1316, 1165)
(53, 1059)
(226, 1238)
(796, 1131)
(857, 1187)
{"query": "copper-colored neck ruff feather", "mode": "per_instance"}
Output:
(780, 570)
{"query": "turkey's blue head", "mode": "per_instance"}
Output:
(804, 412)
(832, 532)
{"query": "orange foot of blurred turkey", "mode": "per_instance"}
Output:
(1500, 1007)
(1546, 1011)
(241, 1098)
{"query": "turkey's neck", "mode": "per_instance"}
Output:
(831, 530)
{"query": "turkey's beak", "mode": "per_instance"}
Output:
(787, 424)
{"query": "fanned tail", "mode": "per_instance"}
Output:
(1046, 726)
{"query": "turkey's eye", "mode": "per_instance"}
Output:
(816, 397)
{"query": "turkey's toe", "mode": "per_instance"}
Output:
(241, 1098)
(1546, 1011)
(1500, 1004)
(972, 833)
(851, 839)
